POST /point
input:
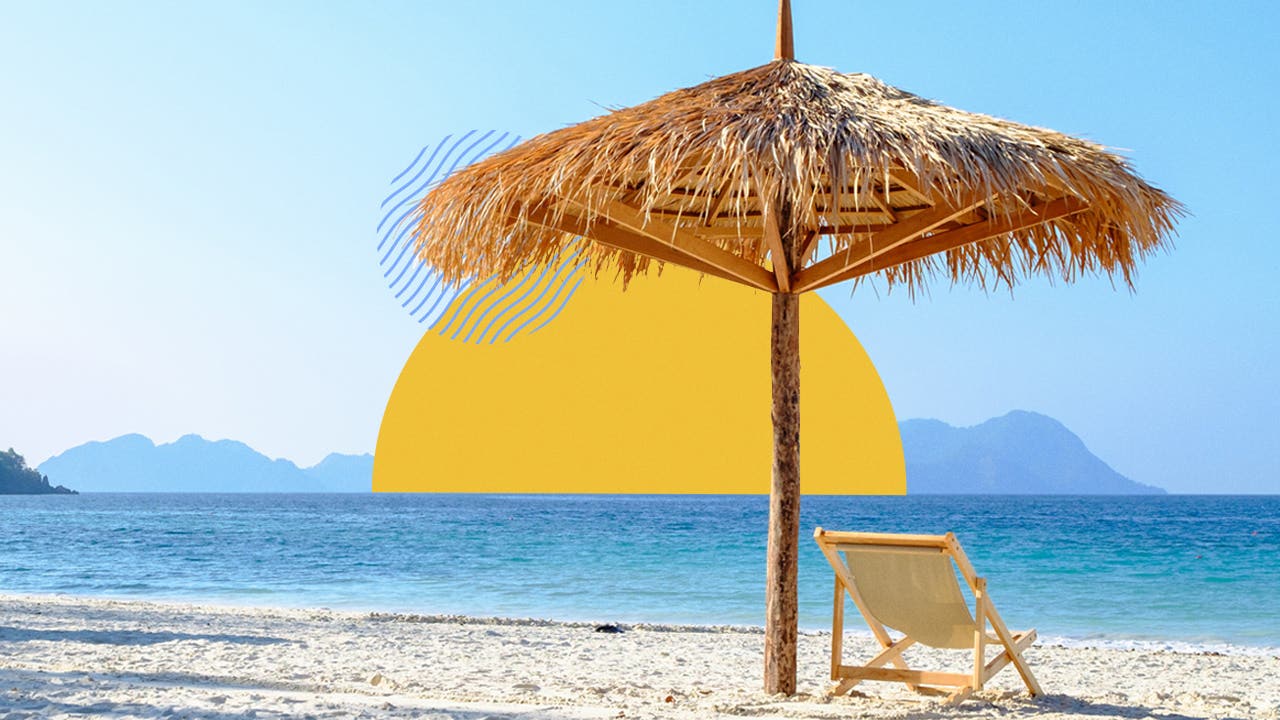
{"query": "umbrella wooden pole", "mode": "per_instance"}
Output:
(781, 601)
(782, 557)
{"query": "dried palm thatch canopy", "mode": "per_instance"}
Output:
(745, 177)
(885, 178)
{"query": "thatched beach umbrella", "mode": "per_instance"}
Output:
(788, 178)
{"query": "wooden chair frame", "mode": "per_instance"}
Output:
(847, 676)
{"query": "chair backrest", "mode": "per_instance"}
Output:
(908, 583)
(913, 590)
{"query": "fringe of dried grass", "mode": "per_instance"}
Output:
(794, 130)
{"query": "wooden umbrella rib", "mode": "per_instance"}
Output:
(733, 232)
(719, 201)
(960, 237)
(619, 238)
(851, 229)
(909, 182)
(836, 268)
(884, 206)
(777, 255)
(744, 271)
(808, 246)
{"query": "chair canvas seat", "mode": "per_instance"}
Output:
(909, 583)
(913, 591)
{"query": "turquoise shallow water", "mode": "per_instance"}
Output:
(1174, 570)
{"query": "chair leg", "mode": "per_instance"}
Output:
(843, 579)
(1013, 647)
(1033, 685)
(980, 633)
(891, 654)
(959, 696)
(837, 629)
(1020, 664)
(843, 687)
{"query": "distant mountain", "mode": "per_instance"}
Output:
(133, 463)
(18, 479)
(1019, 453)
(343, 473)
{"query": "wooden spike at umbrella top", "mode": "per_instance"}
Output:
(784, 48)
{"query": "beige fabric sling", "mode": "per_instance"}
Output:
(913, 591)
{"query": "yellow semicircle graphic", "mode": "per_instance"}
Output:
(662, 388)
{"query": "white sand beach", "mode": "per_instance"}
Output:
(79, 657)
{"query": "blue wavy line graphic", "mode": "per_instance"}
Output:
(405, 229)
(562, 304)
(444, 293)
(418, 267)
(417, 192)
(519, 306)
(411, 166)
(429, 180)
(559, 289)
(510, 291)
(462, 325)
(458, 304)
(518, 301)
(429, 277)
(497, 302)
(397, 244)
(475, 307)
(463, 160)
(535, 303)
(423, 169)
(407, 226)
(397, 191)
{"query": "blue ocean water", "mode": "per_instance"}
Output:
(1171, 569)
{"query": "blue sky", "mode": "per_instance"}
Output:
(188, 194)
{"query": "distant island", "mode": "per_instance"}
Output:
(1021, 453)
(133, 463)
(1018, 453)
(18, 479)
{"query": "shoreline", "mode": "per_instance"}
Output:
(68, 655)
(1138, 643)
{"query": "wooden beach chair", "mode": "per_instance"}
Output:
(907, 583)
